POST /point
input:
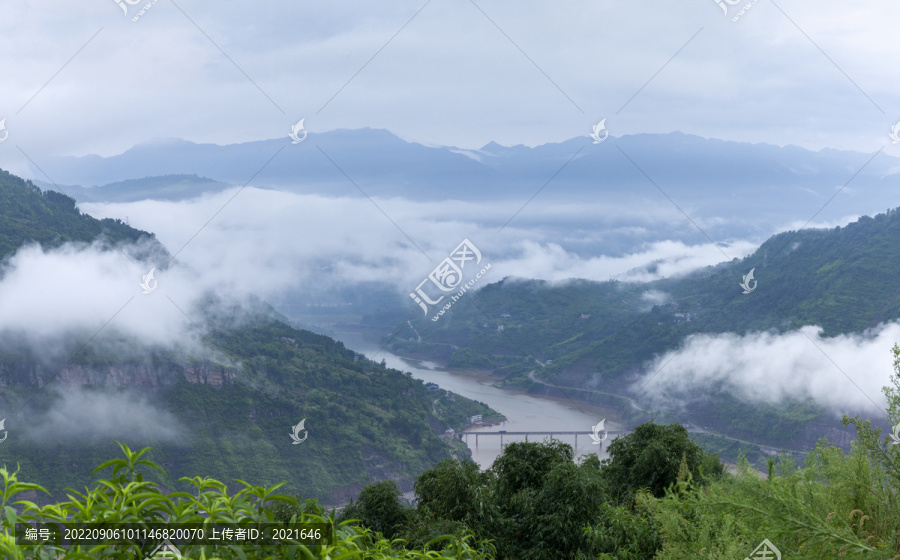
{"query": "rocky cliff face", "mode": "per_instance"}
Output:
(125, 375)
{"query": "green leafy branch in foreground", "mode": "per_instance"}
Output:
(126, 498)
(811, 512)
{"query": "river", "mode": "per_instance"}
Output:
(524, 412)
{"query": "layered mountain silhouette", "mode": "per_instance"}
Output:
(731, 189)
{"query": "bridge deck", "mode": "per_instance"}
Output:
(584, 433)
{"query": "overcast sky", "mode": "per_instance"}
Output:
(82, 77)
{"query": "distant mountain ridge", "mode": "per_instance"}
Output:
(164, 187)
(396, 167)
(732, 190)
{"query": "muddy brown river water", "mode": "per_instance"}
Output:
(524, 412)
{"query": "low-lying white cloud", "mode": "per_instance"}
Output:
(279, 245)
(79, 414)
(662, 259)
(846, 372)
(806, 224)
(655, 297)
(60, 300)
(268, 241)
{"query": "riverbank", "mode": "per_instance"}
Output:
(525, 411)
(627, 413)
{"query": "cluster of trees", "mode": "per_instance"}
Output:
(536, 502)
(127, 497)
(657, 497)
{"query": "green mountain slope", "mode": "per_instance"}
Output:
(234, 400)
(843, 279)
(588, 334)
(50, 218)
(364, 421)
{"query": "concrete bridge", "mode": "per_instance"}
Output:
(502, 433)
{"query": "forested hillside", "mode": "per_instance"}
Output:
(232, 402)
(603, 334)
(364, 420)
(842, 279)
(50, 218)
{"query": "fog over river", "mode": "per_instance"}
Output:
(524, 412)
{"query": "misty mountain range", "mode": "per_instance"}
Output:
(767, 186)
(163, 187)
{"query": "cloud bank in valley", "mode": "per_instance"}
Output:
(846, 372)
(270, 243)
(80, 290)
(267, 241)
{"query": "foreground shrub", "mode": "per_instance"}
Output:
(379, 509)
(621, 533)
(126, 497)
(650, 457)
